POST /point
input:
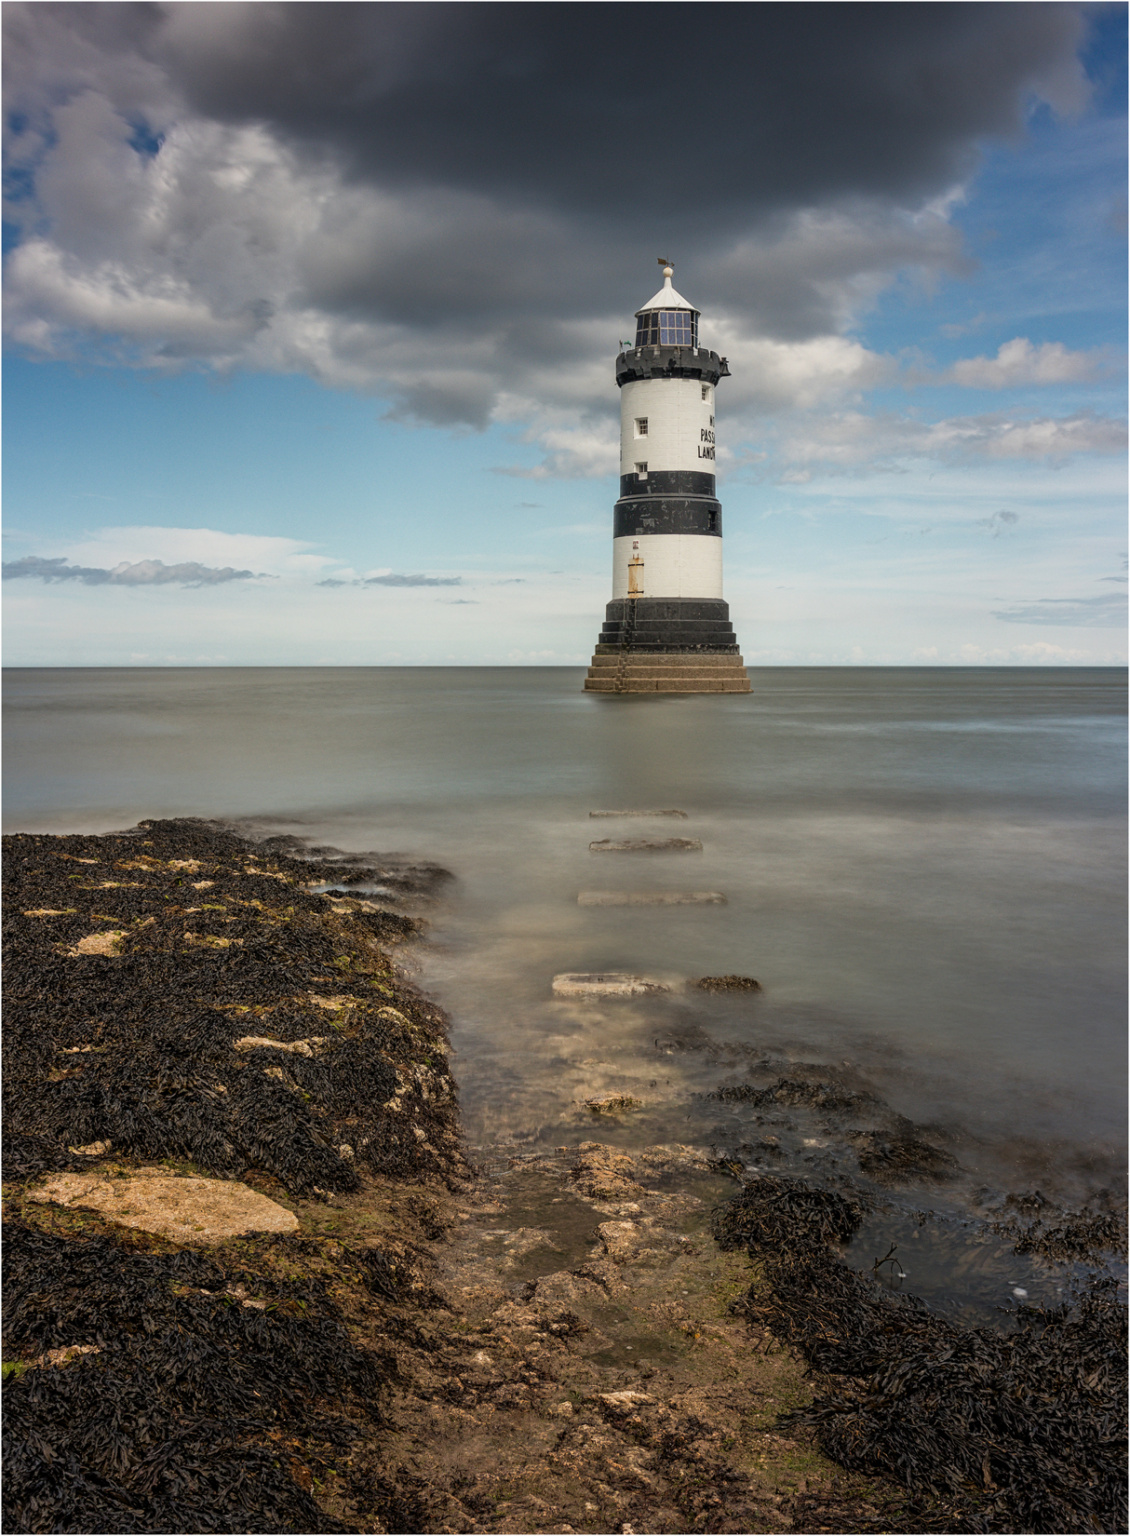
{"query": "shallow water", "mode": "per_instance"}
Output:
(924, 868)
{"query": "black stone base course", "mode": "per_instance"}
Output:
(692, 624)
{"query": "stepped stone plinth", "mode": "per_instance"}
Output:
(658, 672)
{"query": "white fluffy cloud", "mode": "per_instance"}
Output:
(1018, 362)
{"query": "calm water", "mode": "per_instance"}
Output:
(924, 868)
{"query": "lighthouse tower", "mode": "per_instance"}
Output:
(667, 628)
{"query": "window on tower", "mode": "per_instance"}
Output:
(667, 328)
(641, 426)
(641, 471)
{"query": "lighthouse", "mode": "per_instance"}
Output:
(667, 628)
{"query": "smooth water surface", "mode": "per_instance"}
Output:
(924, 868)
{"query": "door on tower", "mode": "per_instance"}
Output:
(635, 573)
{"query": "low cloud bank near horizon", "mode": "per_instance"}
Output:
(141, 573)
(1109, 611)
(394, 580)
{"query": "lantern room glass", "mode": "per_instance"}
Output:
(667, 328)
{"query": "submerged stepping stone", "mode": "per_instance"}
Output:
(728, 984)
(681, 814)
(187, 1210)
(647, 845)
(650, 898)
(606, 984)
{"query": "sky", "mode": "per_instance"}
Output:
(311, 314)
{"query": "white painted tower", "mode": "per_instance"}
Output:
(667, 628)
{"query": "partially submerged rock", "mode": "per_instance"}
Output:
(186, 1210)
(650, 898)
(646, 845)
(601, 1173)
(606, 984)
(728, 984)
(613, 1104)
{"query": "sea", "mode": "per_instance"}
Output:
(924, 869)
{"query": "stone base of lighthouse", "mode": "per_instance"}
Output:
(667, 645)
(657, 672)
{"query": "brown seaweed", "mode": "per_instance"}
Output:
(1016, 1432)
(194, 1409)
(212, 941)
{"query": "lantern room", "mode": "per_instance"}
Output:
(667, 320)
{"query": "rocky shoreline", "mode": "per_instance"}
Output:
(254, 1284)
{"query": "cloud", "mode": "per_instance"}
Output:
(391, 579)
(422, 203)
(886, 101)
(997, 522)
(1018, 362)
(851, 441)
(1105, 612)
(143, 573)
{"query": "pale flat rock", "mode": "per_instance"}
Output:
(105, 943)
(606, 984)
(308, 1047)
(647, 845)
(682, 815)
(65, 1354)
(650, 899)
(624, 1401)
(186, 1210)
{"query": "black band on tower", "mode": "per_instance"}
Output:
(636, 515)
(670, 363)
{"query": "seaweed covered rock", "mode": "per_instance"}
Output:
(728, 983)
(1017, 1432)
(162, 988)
(181, 1000)
(170, 1391)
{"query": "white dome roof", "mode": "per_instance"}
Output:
(667, 297)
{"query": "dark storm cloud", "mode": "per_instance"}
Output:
(688, 109)
(662, 124)
(142, 573)
(1105, 612)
